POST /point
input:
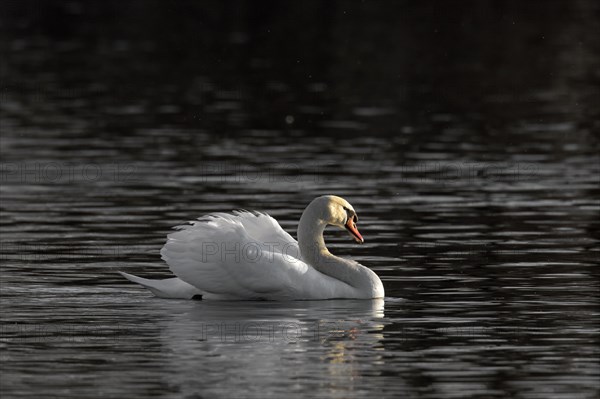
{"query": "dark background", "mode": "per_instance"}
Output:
(465, 134)
(488, 63)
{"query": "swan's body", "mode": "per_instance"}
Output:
(249, 256)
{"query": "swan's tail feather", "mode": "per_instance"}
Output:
(173, 288)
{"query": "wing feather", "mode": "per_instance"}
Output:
(242, 255)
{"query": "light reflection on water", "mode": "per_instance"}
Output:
(477, 193)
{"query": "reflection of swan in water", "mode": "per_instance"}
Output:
(248, 349)
(249, 256)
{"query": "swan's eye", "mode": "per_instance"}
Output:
(350, 215)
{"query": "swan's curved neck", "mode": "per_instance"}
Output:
(310, 239)
(314, 252)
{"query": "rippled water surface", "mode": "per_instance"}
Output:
(465, 136)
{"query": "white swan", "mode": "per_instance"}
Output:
(248, 256)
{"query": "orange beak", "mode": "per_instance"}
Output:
(351, 227)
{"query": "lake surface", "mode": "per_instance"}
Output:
(465, 135)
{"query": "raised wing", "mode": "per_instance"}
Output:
(240, 255)
(264, 230)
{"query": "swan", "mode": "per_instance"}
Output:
(248, 256)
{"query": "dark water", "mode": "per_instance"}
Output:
(465, 135)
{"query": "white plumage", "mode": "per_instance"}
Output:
(247, 255)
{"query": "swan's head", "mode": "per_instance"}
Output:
(337, 211)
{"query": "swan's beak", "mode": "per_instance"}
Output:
(351, 227)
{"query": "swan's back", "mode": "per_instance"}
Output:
(241, 255)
